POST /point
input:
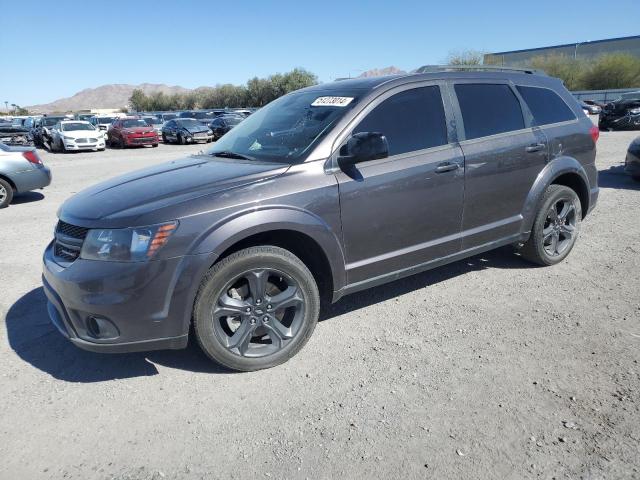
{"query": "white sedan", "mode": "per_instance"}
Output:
(72, 135)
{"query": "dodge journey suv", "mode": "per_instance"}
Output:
(326, 191)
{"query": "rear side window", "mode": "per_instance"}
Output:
(411, 120)
(545, 105)
(488, 109)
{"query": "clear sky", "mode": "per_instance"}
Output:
(55, 48)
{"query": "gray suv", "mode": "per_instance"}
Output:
(326, 191)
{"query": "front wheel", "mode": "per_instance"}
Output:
(556, 227)
(256, 308)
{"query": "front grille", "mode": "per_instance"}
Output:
(68, 241)
(71, 230)
(81, 140)
(143, 139)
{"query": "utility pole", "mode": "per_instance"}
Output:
(6, 105)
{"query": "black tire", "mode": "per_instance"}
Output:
(272, 265)
(164, 138)
(636, 177)
(179, 139)
(6, 193)
(552, 233)
(154, 145)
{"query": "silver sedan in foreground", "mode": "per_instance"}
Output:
(21, 170)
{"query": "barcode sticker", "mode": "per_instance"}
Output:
(332, 101)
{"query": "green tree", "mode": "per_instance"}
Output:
(612, 71)
(568, 69)
(465, 57)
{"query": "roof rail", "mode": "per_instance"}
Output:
(476, 68)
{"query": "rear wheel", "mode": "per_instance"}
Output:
(6, 193)
(164, 138)
(556, 227)
(180, 139)
(256, 308)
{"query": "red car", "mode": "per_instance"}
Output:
(129, 131)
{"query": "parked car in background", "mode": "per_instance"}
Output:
(84, 116)
(201, 116)
(165, 117)
(186, 130)
(632, 161)
(21, 170)
(154, 122)
(589, 109)
(222, 124)
(131, 131)
(102, 122)
(41, 130)
(326, 191)
(15, 135)
(75, 135)
(594, 103)
(621, 114)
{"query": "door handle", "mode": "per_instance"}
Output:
(536, 147)
(446, 167)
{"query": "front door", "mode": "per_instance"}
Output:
(404, 210)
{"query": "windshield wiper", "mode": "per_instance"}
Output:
(228, 154)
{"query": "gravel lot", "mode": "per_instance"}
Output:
(487, 368)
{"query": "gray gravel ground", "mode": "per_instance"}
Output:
(487, 368)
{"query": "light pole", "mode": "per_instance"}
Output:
(6, 105)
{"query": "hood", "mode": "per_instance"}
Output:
(81, 133)
(126, 200)
(196, 128)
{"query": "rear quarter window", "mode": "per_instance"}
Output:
(546, 105)
(488, 109)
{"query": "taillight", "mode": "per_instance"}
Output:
(594, 131)
(32, 157)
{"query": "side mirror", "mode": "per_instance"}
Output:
(362, 147)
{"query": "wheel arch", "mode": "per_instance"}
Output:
(565, 171)
(304, 234)
(9, 181)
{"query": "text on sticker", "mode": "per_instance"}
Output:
(332, 101)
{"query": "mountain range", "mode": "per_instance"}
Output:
(117, 95)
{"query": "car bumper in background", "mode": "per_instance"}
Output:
(84, 146)
(34, 179)
(146, 140)
(632, 163)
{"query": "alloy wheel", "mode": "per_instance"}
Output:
(258, 313)
(559, 228)
(3, 194)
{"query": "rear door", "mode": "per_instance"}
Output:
(503, 152)
(404, 210)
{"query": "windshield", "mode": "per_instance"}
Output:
(106, 120)
(233, 120)
(131, 123)
(69, 127)
(284, 130)
(189, 123)
(51, 121)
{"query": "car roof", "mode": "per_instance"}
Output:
(367, 84)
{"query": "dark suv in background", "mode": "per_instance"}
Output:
(326, 191)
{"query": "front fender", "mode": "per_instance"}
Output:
(554, 169)
(243, 224)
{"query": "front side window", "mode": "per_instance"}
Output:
(488, 109)
(411, 120)
(545, 105)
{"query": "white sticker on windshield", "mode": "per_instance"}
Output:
(332, 101)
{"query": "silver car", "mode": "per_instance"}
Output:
(21, 170)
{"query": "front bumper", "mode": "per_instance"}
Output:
(145, 140)
(84, 146)
(632, 163)
(138, 306)
(195, 138)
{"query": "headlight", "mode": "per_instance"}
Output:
(126, 244)
(634, 111)
(68, 138)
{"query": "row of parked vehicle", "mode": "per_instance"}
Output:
(96, 132)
